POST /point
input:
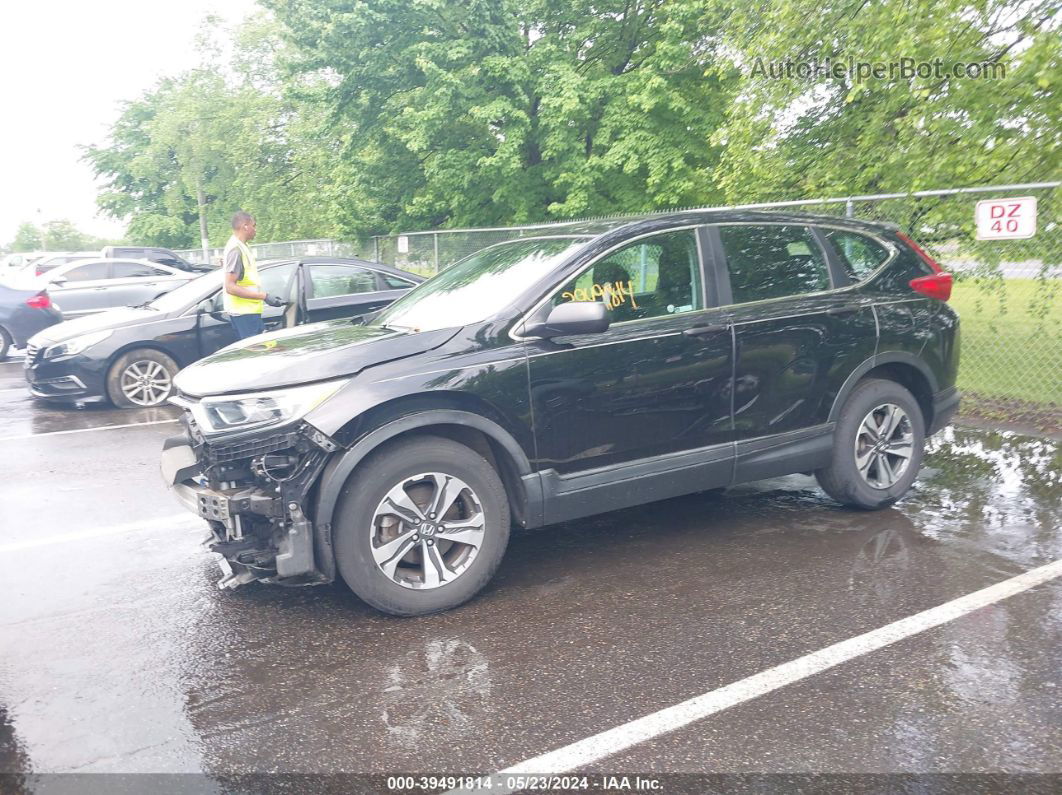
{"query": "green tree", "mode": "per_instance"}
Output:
(787, 138)
(137, 182)
(224, 136)
(62, 235)
(27, 238)
(453, 112)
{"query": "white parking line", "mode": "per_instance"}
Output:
(180, 521)
(84, 430)
(620, 738)
(23, 390)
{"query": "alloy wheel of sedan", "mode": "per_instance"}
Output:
(883, 445)
(146, 382)
(427, 530)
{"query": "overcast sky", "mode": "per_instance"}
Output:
(65, 67)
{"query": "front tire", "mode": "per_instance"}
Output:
(5, 343)
(421, 526)
(141, 378)
(878, 446)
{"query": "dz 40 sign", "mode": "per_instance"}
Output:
(1006, 219)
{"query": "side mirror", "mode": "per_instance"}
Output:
(573, 317)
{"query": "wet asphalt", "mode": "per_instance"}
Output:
(119, 654)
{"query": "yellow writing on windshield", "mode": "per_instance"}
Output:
(614, 294)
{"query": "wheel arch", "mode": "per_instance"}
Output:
(905, 369)
(485, 436)
(151, 345)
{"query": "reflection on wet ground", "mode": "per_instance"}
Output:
(998, 492)
(126, 656)
(21, 414)
(13, 757)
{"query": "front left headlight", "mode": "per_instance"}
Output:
(76, 345)
(261, 409)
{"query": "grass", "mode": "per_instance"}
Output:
(1011, 339)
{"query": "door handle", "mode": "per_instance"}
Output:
(847, 309)
(697, 331)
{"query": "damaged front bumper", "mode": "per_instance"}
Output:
(253, 493)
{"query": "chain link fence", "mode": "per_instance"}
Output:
(1006, 291)
(288, 248)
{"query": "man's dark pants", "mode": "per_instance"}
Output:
(247, 325)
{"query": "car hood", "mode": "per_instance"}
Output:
(111, 319)
(302, 355)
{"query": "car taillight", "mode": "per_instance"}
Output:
(39, 301)
(39, 272)
(938, 285)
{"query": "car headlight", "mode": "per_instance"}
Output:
(76, 344)
(260, 409)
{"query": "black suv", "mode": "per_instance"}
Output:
(154, 254)
(551, 378)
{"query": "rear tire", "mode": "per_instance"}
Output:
(395, 551)
(141, 378)
(5, 343)
(877, 446)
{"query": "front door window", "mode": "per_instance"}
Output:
(654, 277)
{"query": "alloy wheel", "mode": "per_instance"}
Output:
(427, 530)
(146, 382)
(884, 444)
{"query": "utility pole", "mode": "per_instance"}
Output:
(200, 200)
(43, 229)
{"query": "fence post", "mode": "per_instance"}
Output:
(435, 243)
(376, 248)
(849, 208)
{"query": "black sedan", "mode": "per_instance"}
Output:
(25, 309)
(129, 356)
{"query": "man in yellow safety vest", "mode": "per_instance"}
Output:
(243, 294)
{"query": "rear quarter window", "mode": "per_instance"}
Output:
(860, 255)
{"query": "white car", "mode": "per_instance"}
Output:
(85, 286)
(15, 262)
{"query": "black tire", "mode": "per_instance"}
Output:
(141, 355)
(842, 479)
(366, 489)
(5, 343)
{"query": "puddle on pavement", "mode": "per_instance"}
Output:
(998, 491)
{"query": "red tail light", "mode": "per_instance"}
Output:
(39, 272)
(938, 285)
(39, 301)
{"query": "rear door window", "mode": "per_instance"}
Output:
(134, 270)
(91, 271)
(772, 261)
(332, 279)
(859, 254)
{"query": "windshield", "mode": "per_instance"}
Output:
(188, 293)
(478, 286)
